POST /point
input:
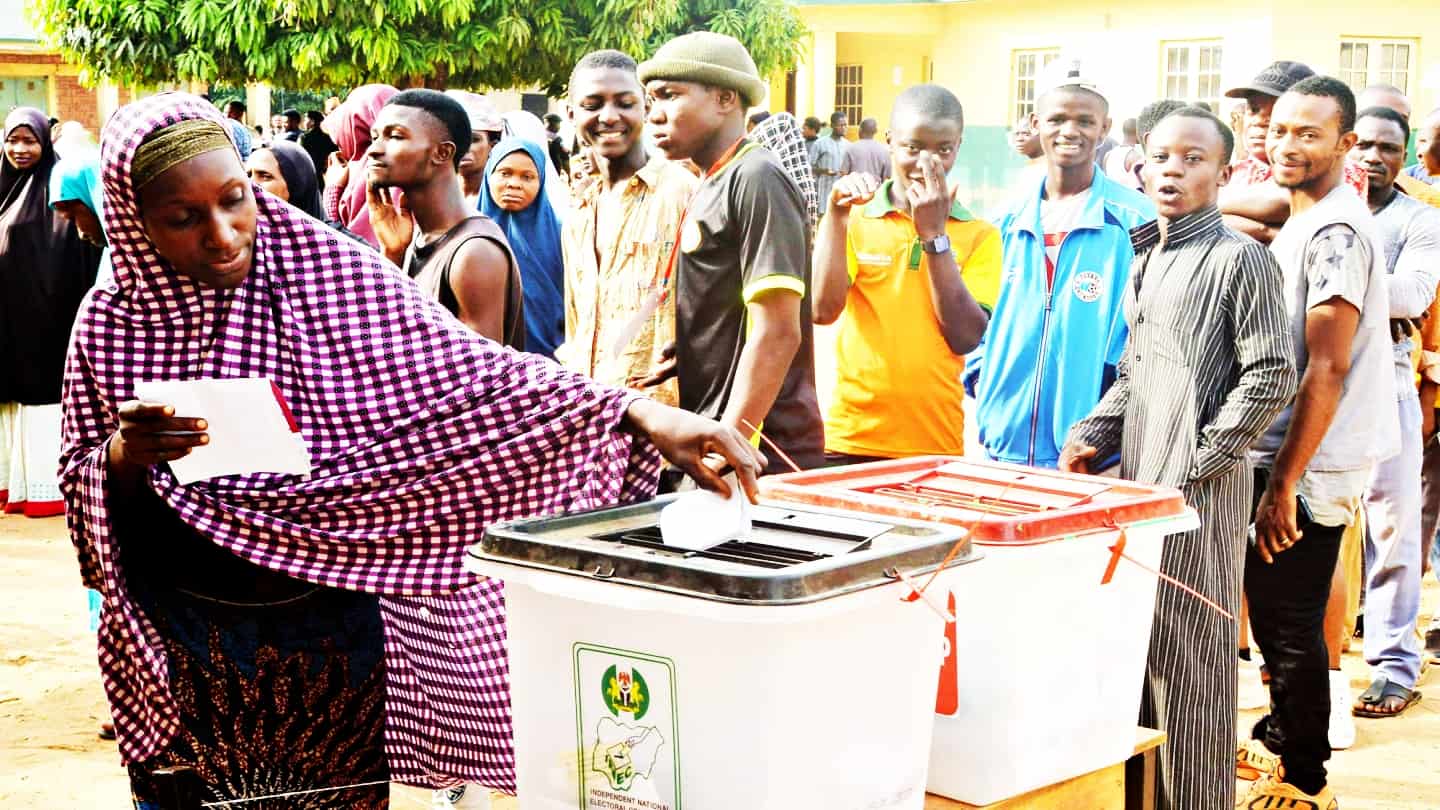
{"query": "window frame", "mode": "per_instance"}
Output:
(1194, 74)
(849, 95)
(1375, 73)
(1021, 106)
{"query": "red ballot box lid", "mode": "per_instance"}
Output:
(999, 503)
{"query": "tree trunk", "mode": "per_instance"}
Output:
(437, 81)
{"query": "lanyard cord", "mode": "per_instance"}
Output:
(735, 151)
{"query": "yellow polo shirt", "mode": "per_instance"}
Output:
(898, 391)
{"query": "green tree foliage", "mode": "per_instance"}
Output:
(305, 44)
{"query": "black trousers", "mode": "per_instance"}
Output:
(1287, 617)
(834, 459)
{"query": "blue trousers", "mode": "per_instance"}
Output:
(1393, 560)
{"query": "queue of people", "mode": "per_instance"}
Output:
(465, 337)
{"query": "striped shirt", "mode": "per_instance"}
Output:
(1208, 365)
(1209, 361)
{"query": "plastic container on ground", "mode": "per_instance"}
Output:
(1047, 664)
(780, 673)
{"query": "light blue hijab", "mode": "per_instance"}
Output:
(77, 178)
(534, 236)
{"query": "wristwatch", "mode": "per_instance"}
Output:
(936, 246)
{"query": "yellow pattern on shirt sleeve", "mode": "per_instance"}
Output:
(760, 286)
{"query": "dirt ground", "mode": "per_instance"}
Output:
(51, 703)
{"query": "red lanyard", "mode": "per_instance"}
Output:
(658, 297)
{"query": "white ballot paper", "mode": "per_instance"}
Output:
(700, 518)
(250, 426)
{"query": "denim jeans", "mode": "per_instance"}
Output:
(1287, 619)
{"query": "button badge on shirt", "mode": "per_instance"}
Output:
(1088, 286)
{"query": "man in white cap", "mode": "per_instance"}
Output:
(1054, 341)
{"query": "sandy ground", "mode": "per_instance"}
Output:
(51, 702)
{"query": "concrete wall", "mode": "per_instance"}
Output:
(891, 63)
(880, 37)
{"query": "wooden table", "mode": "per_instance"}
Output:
(1126, 785)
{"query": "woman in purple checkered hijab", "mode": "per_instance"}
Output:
(244, 615)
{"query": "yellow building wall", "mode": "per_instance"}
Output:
(908, 27)
(892, 62)
(1418, 22)
(1121, 41)
(775, 102)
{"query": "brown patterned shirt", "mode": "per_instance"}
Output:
(610, 276)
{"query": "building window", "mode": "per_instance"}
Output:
(1364, 62)
(849, 92)
(1192, 72)
(1026, 67)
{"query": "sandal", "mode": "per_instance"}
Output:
(1382, 691)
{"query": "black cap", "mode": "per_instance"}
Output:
(1273, 80)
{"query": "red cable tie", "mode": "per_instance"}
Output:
(1116, 551)
(916, 591)
(1177, 583)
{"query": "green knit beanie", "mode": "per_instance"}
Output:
(707, 58)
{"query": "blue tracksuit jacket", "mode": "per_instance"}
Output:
(1049, 354)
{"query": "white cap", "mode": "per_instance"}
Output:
(1067, 71)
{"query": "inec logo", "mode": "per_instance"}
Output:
(625, 692)
(1088, 286)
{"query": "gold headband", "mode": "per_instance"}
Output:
(166, 148)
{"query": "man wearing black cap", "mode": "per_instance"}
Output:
(1251, 204)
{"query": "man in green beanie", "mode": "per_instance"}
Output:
(743, 347)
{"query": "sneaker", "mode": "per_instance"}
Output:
(1252, 693)
(1272, 794)
(445, 798)
(1432, 642)
(1253, 760)
(1342, 718)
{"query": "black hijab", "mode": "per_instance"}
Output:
(45, 271)
(299, 173)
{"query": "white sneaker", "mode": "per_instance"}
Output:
(1252, 693)
(1342, 721)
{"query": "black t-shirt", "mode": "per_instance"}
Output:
(746, 232)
